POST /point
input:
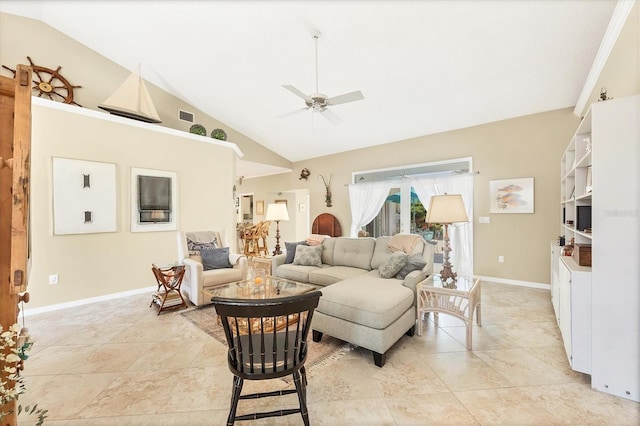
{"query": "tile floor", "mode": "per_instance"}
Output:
(117, 363)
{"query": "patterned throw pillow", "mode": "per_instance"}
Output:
(414, 263)
(308, 256)
(216, 258)
(195, 247)
(390, 267)
(291, 250)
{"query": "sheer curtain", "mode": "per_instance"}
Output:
(366, 201)
(460, 234)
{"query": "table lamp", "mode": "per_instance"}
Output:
(277, 212)
(446, 209)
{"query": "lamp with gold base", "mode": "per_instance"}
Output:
(446, 209)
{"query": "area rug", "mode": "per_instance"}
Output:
(321, 354)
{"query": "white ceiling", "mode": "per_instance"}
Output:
(423, 66)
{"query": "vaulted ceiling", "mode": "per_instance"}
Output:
(423, 66)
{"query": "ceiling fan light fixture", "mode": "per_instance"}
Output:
(319, 102)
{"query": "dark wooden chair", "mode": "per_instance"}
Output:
(267, 339)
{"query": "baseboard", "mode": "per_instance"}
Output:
(515, 282)
(74, 303)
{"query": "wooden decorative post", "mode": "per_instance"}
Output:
(15, 148)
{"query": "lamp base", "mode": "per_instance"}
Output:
(277, 247)
(447, 273)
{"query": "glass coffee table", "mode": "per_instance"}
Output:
(270, 288)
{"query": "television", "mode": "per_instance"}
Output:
(154, 199)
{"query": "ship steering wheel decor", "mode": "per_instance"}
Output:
(50, 83)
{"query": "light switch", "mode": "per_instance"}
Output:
(484, 219)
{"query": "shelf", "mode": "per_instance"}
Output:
(584, 161)
(584, 234)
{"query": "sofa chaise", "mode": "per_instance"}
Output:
(359, 304)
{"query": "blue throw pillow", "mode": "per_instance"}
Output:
(291, 250)
(215, 258)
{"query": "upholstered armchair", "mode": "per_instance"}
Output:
(207, 264)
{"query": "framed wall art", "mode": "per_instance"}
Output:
(511, 195)
(154, 205)
(260, 207)
(84, 196)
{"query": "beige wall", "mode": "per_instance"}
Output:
(99, 78)
(621, 73)
(528, 146)
(91, 265)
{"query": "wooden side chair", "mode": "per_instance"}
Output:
(250, 246)
(169, 281)
(261, 237)
(267, 339)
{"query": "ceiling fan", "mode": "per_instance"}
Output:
(319, 102)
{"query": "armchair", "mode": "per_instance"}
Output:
(196, 278)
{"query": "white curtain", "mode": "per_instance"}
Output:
(460, 234)
(366, 201)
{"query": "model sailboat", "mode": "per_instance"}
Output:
(132, 100)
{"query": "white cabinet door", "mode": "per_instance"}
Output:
(555, 287)
(564, 306)
(575, 313)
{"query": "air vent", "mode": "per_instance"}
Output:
(185, 116)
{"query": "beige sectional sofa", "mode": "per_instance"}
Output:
(357, 304)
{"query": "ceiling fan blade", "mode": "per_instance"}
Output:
(347, 97)
(331, 116)
(289, 114)
(297, 93)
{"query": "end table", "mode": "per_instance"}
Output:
(460, 300)
(263, 263)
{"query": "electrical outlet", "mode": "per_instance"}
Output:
(501, 259)
(53, 279)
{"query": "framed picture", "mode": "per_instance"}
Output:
(84, 196)
(281, 202)
(511, 195)
(260, 207)
(154, 195)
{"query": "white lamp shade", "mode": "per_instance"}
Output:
(277, 211)
(447, 208)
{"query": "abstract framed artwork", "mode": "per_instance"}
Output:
(154, 205)
(511, 195)
(84, 196)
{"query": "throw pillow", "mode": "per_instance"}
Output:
(414, 263)
(195, 247)
(216, 258)
(390, 267)
(308, 256)
(291, 250)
